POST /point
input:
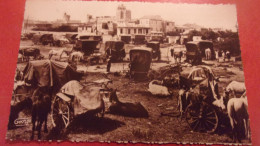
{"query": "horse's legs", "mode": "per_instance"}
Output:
(45, 125)
(233, 128)
(33, 125)
(246, 126)
(39, 127)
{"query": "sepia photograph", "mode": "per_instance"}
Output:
(129, 72)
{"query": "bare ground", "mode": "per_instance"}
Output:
(156, 128)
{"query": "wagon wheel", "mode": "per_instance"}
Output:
(201, 117)
(61, 113)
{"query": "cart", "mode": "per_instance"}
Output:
(200, 112)
(140, 62)
(76, 99)
(156, 53)
(196, 51)
(115, 49)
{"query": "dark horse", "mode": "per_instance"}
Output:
(28, 52)
(41, 106)
(126, 109)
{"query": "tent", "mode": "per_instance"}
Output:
(49, 73)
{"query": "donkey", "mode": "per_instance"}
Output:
(126, 109)
(41, 106)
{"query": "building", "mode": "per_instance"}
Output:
(180, 29)
(169, 26)
(123, 15)
(132, 29)
(155, 22)
(105, 25)
(88, 28)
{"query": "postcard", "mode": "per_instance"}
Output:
(131, 72)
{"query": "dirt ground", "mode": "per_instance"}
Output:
(155, 128)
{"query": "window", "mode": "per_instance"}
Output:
(146, 31)
(121, 30)
(129, 31)
(140, 31)
(104, 26)
(122, 15)
(134, 31)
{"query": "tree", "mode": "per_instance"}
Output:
(230, 43)
(173, 33)
(193, 33)
(209, 35)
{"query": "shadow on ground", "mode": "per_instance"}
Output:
(89, 125)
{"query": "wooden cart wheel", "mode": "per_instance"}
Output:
(201, 117)
(61, 114)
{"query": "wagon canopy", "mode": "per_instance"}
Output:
(140, 59)
(200, 46)
(86, 98)
(49, 73)
(154, 45)
(115, 45)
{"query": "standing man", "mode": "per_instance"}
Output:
(228, 55)
(172, 51)
(109, 63)
(109, 59)
(224, 55)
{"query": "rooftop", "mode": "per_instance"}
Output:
(153, 17)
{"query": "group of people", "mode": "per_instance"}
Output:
(224, 54)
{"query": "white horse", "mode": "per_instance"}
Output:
(76, 56)
(156, 88)
(208, 53)
(238, 116)
(234, 87)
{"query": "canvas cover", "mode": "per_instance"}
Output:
(140, 59)
(49, 73)
(85, 97)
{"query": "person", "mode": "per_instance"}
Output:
(216, 53)
(172, 51)
(224, 55)
(228, 55)
(109, 60)
(219, 55)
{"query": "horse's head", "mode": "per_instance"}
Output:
(226, 93)
(220, 103)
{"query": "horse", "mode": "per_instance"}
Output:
(76, 56)
(177, 56)
(28, 52)
(208, 53)
(238, 116)
(125, 108)
(41, 106)
(57, 53)
(235, 88)
(156, 88)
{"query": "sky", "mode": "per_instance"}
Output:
(206, 15)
